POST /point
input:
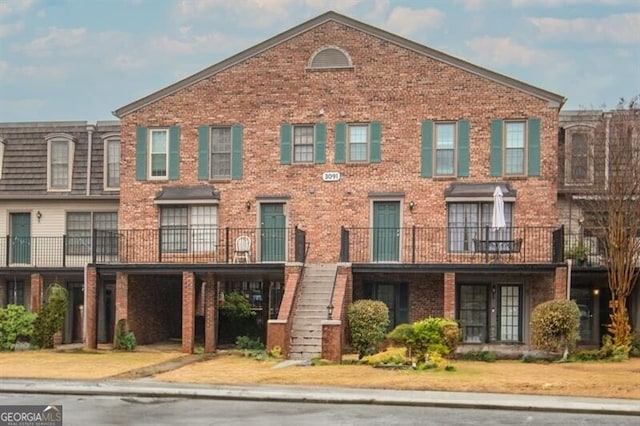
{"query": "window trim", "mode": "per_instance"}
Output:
(587, 131)
(211, 153)
(69, 140)
(294, 160)
(107, 142)
(186, 232)
(454, 172)
(467, 244)
(150, 153)
(524, 148)
(367, 143)
(312, 67)
(102, 250)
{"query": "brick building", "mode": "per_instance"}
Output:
(59, 191)
(332, 162)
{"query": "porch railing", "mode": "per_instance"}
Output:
(167, 245)
(450, 245)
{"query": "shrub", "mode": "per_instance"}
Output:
(368, 322)
(390, 356)
(236, 318)
(431, 337)
(247, 343)
(479, 355)
(555, 326)
(50, 319)
(124, 339)
(15, 323)
(635, 345)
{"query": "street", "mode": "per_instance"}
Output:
(112, 410)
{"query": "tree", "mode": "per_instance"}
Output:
(612, 210)
(368, 322)
(50, 319)
(556, 326)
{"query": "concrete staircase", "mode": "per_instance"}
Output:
(311, 310)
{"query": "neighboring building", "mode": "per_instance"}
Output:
(356, 162)
(59, 190)
(585, 157)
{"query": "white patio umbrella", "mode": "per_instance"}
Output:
(497, 220)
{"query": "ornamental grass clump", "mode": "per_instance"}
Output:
(555, 326)
(368, 322)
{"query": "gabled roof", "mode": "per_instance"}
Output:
(554, 99)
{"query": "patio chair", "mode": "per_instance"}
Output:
(242, 250)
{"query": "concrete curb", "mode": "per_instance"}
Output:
(153, 389)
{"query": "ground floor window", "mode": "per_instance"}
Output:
(15, 292)
(481, 305)
(189, 228)
(395, 296)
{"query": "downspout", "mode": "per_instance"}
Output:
(569, 263)
(90, 129)
(607, 117)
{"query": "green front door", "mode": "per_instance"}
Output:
(272, 232)
(20, 237)
(386, 231)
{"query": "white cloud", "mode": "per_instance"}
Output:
(127, 62)
(504, 51)
(560, 3)
(405, 21)
(472, 5)
(620, 28)
(11, 29)
(14, 7)
(56, 39)
(190, 44)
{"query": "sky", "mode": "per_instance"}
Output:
(83, 59)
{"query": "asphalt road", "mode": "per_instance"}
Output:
(114, 410)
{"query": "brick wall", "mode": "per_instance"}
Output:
(155, 306)
(390, 84)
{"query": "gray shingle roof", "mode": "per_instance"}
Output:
(24, 163)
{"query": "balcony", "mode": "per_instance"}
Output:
(424, 245)
(147, 246)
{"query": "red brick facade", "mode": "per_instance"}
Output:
(391, 82)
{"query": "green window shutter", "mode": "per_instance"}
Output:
(141, 153)
(375, 137)
(495, 160)
(426, 149)
(463, 148)
(285, 143)
(320, 130)
(533, 147)
(174, 153)
(236, 151)
(203, 152)
(340, 140)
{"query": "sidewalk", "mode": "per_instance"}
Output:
(154, 389)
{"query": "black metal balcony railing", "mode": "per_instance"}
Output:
(451, 245)
(218, 245)
(167, 245)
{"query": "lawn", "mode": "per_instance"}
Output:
(594, 379)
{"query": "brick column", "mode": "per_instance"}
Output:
(560, 283)
(122, 297)
(91, 309)
(188, 311)
(37, 283)
(450, 295)
(210, 312)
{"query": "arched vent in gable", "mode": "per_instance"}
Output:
(330, 57)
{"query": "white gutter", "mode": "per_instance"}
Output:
(90, 129)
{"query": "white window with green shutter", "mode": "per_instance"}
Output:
(515, 147)
(358, 142)
(220, 152)
(157, 153)
(303, 143)
(444, 148)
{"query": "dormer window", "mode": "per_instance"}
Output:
(60, 150)
(112, 164)
(330, 57)
(578, 155)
